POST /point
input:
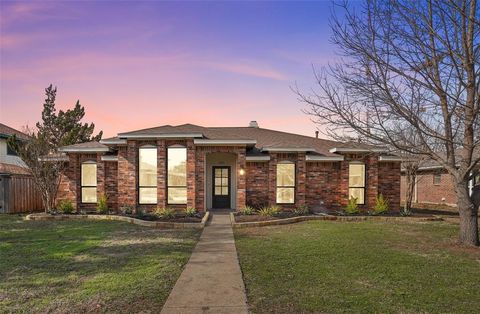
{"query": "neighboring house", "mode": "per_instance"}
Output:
(435, 186)
(226, 167)
(7, 155)
(18, 193)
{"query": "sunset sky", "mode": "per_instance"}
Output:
(140, 64)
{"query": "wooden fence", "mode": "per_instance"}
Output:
(18, 194)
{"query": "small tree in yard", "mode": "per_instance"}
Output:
(409, 66)
(39, 152)
(45, 169)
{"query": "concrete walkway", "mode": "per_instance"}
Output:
(211, 281)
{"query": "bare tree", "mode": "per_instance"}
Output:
(408, 66)
(45, 167)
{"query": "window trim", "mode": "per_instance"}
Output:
(286, 186)
(435, 183)
(364, 187)
(168, 186)
(88, 162)
(139, 187)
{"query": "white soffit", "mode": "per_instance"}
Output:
(164, 135)
(389, 158)
(206, 142)
(288, 149)
(323, 158)
(109, 158)
(258, 158)
(357, 150)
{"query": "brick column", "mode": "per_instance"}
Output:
(272, 179)
(301, 179)
(100, 177)
(190, 174)
(127, 181)
(161, 174)
(200, 179)
(241, 179)
(344, 182)
(371, 168)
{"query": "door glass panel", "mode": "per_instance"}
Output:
(225, 190)
(218, 190)
(218, 173)
(218, 181)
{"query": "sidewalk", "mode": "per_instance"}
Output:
(211, 281)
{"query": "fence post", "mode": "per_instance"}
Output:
(4, 193)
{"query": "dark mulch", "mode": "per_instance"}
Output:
(178, 218)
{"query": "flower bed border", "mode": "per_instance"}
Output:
(284, 221)
(140, 222)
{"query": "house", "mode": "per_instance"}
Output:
(18, 193)
(226, 167)
(9, 161)
(434, 185)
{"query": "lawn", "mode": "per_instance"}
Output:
(85, 266)
(335, 267)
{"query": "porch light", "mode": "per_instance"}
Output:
(241, 171)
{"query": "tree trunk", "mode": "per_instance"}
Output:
(409, 192)
(468, 216)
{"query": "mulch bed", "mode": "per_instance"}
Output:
(181, 218)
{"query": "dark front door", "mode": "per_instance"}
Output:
(221, 187)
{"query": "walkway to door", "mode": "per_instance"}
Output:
(211, 281)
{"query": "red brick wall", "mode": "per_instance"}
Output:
(67, 189)
(111, 184)
(427, 192)
(389, 183)
(322, 184)
(257, 183)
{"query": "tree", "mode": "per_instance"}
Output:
(45, 168)
(65, 127)
(408, 66)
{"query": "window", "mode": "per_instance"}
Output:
(285, 183)
(437, 178)
(177, 175)
(11, 151)
(356, 182)
(89, 182)
(147, 175)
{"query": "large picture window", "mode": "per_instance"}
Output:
(177, 175)
(356, 182)
(147, 175)
(89, 182)
(285, 183)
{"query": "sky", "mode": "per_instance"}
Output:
(140, 64)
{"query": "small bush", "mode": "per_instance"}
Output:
(269, 210)
(139, 213)
(301, 210)
(102, 206)
(190, 211)
(165, 212)
(381, 205)
(126, 210)
(247, 210)
(66, 207)
(352, 206)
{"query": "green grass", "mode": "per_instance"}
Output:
(83, 266)
(361, 267)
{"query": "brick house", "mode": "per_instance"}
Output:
(434, 185)
(226, 167)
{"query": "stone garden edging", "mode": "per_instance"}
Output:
(145, 223)
(284, 221)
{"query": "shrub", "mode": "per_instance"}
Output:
(126, 210)
(190, 211)
(139, 213)
(66, 207)
(301, 210)
(247, 210)
(165, 212)
(102, 206)
(352, 206)
(381, 205)
(269, 210)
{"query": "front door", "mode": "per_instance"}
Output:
(221, 187)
